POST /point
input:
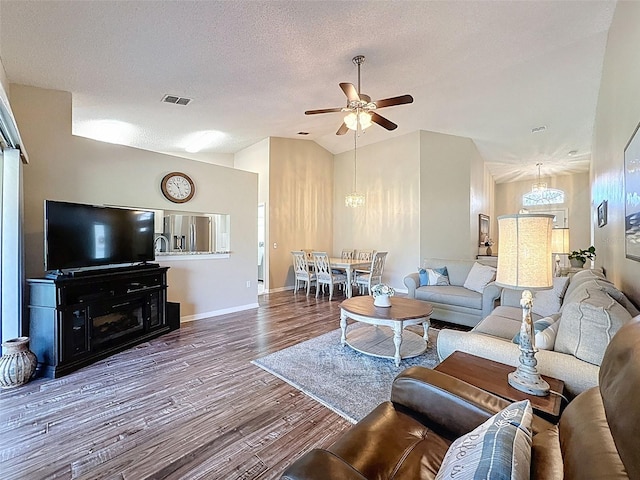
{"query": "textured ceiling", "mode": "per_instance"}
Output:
(488, 70)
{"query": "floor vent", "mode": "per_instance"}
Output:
(176, 100)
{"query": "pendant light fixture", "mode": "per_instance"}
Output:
(354, 199)
(540, 194)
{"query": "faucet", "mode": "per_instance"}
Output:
(157, 245)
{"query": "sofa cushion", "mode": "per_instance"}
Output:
(548, 302)
(390, 443)
(588, 322)
(499, 448)
(580, 277)
(479, 276)
(588, 449)
(546, 455)
(613, 292)
(433, 276)
(545, 330)
(504, 322)
(450, 295)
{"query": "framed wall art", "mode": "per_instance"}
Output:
(483, 229)
(602, 214)
(632, 197)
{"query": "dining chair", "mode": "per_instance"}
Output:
(347, 254)
(364, 255)
(325, 275)
(374, 277)
(302, 273)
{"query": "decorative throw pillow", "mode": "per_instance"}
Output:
(545, 330)
(433, 276)
(479, 276)
(500, 448)
(548, 302)
(424, 277)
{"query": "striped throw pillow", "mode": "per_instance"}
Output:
(500, 448)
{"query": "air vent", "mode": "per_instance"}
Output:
(176, 100)
(303, 133)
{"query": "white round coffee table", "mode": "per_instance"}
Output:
(395, 343)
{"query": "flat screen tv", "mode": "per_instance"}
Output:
(78, 236)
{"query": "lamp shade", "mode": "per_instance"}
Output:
(560, 240)
(524, 244)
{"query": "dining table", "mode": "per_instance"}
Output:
(349, 266)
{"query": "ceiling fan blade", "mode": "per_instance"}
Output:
(383, 122)
(350, 91)
(323, 110)
(390, 102)
(343, 129)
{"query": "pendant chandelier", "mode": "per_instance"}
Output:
(354, 199)
(540, 194)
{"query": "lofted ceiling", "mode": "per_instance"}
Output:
(489, 70)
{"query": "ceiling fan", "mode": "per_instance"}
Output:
(362, 111)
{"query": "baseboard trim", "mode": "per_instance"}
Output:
(279, 289)
(217, 313)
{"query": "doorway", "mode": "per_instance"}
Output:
(262, 261)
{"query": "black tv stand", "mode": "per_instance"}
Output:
(75, 320)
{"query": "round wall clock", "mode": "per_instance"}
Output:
(177, 187)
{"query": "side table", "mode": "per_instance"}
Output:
(492, 377)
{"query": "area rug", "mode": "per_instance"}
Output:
(348, 382)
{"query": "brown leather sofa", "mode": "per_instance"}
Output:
(598, 436)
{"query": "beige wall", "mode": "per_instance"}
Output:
(300, 206)
(64, 167)
(617, 116)
(424, 191)
(453, 188)
(256, 159)
(388, 175)
(508, 201)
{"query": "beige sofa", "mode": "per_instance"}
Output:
(453, 303)
(592, 310)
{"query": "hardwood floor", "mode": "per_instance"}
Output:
(186, 405)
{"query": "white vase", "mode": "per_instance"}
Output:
(382, 301)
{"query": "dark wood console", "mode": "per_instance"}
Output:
(77, 320)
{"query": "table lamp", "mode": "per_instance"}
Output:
(559, 245)
(525, 262)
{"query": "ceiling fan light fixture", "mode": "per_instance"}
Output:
(352, 119)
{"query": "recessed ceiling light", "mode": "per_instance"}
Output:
(573, 153)
(541, 128)
(303, 133)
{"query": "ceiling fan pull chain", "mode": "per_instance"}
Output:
(355, 160)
